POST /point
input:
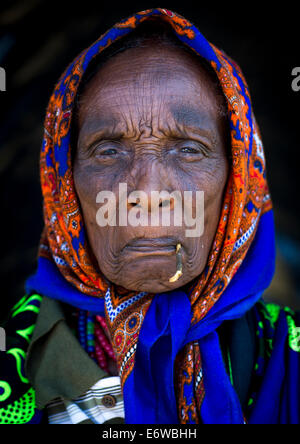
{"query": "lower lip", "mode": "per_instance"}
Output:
(166, 250)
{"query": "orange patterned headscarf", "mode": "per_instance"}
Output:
(246, 200)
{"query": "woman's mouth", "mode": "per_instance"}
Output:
(152, 246)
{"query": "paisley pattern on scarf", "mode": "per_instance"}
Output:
(246, 199)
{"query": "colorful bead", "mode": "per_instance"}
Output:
(92, 337)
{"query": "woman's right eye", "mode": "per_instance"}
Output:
(107, 152)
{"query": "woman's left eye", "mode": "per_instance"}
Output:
(189, 150)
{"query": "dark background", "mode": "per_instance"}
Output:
(38, 38)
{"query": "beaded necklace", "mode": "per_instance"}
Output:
(93, 337)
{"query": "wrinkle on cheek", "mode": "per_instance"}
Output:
(90, 177)
(215, 175)
(84, 184)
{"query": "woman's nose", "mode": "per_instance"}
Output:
(152, 187)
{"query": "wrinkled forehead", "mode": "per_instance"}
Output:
(146, 73)
(162, 89)
(155, 86)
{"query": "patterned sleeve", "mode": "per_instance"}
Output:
(275, 391)
(17, 397)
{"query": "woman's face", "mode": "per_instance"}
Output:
(150, 119)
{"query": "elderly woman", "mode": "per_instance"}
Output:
(127, 320)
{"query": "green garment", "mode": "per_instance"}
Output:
(55, 361)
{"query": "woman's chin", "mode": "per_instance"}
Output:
(150, 273)
(151, 278)
(151, 286)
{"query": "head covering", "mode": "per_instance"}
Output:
(163, 342)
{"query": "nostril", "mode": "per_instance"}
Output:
(135, 204)
(167, 203)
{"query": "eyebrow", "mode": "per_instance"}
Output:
(190, 117)
(93, 129)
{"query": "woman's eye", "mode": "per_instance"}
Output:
(109, 151)
(189, 150)
(106, 151)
